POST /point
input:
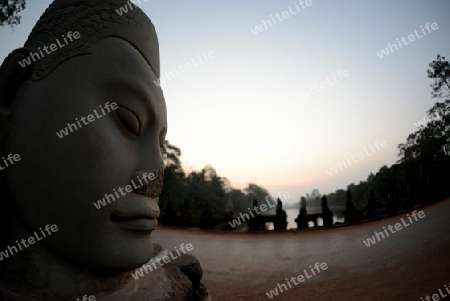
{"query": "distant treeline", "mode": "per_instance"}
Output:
(200, 186)
(420, 176)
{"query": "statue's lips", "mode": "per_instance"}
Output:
(144, 219)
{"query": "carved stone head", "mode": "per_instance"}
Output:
(89, 124)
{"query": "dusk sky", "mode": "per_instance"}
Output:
(279, 108)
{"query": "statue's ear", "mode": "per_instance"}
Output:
(15, 70)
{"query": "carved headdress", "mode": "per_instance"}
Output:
(94, 20)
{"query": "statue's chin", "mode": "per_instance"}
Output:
(118, 265)
(115, 262)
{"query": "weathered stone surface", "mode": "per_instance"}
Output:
(178, 280)
(54, 193)
(61, 285)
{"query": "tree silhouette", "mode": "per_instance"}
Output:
(254, 191)
(174, 188)
(440, 71)
(425, 155)
(9, 11)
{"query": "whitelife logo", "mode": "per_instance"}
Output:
(132, 4)
(371, 240)
(437, 297)
(300, 278)
(178, 71)
(86, 298)
(245, 217)
(11, 159)
(86, 120)
(164, 256)
(110, 197)
(316, 88)
(265, 24)
(360, 156)
(11, 250)
(427, 119)
(49, 49)
(411, 38)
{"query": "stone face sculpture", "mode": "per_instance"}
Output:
(79, 105)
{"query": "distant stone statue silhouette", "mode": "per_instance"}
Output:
(281, 217)
(371, 205)
(393, 204)
(229, 214)
(170, 215)
(229, 209)
(327, 215)
(350, 211)
(185, 216)
(205, 219)
(254, 223)
(301, 220)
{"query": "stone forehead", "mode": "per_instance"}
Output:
(94, 20)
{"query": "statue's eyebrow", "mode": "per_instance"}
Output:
(144, 57)
(136, 87)
(147, 95)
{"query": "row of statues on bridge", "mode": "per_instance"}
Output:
(257, 222)
(351, 215)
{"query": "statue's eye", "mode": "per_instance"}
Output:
(129, 120)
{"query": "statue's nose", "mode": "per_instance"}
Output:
(152, 181)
